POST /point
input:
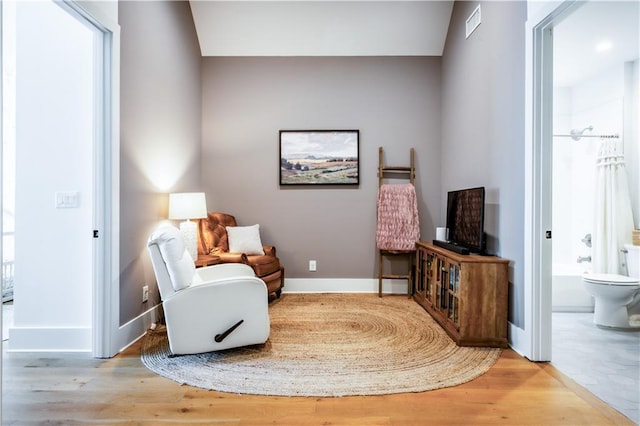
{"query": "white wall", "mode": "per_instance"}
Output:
(562, 184)
(632, 134)
(597, 102)
(54, 131)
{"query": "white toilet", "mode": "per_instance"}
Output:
(614, 293)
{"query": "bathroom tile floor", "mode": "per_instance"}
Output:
(605, 362)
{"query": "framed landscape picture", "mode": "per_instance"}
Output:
(319, 157)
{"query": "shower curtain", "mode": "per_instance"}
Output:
(613, 215)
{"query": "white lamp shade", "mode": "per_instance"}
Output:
(187, 205)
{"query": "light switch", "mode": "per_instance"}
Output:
(67, 200)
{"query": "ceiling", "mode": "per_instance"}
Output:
(578, 40)
(321, 28)
(399, 28)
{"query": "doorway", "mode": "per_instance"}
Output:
(594, 73)
(61, 126)
(544, 19)
(576, 79)
(595, 63)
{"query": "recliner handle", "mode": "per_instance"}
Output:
(220, 337)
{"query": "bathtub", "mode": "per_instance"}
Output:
(567, 291)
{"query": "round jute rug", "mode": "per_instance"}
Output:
(331, 345)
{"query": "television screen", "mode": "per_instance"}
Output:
(465, 218)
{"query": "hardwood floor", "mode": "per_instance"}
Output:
(76, 389)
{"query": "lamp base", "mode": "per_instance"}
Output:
(190, 237)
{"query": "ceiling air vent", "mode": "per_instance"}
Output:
(473, 21)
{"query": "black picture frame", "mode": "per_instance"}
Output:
(319, 157)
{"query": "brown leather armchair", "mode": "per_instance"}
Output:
(213, 241)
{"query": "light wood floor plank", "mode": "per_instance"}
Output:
(75, 389)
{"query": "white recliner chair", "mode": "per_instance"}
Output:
(206, 309)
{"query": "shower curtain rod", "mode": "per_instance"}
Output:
(576, 137)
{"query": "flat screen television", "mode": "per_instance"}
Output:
(465, 218)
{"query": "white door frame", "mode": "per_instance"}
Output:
(1, 186)
(106, 177)
(538, 176)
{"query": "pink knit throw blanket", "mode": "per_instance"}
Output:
(398, 225)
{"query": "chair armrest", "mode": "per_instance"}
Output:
(233, 257)
(269, 250)
(222, 271)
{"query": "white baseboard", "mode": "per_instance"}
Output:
(518, 340)
(50, 339)
(343, 285)
(23, 339)
(76, 339)
(130, 332)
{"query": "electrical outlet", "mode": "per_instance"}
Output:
(145, 293)
(312, 266)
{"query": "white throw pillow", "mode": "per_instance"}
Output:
(245, 239)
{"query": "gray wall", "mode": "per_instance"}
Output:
(483, 126)
(160, 116)
(463, 113)
(393, 101)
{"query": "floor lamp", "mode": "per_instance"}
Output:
(185, 206)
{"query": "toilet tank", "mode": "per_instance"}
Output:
(633, 260)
